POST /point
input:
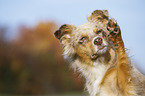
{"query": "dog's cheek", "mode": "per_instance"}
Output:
(84, 51)
(68, 48)
(81, 52)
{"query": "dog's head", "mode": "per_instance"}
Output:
(88, 42)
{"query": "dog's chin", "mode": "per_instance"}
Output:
(99, 53)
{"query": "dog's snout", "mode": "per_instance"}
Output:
(98, 41)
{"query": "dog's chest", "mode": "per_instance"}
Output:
(94, 76)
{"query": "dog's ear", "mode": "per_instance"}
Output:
(98, 15)
(106, 13)
(64, 31)
(64, 34)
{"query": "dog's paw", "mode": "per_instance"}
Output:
(114, 30)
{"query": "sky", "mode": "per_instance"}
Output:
(130, 15)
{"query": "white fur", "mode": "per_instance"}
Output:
(93, 75)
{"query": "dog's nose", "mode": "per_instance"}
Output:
(98, 41)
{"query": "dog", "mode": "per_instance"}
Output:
(97, 51)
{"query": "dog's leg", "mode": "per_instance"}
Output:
(123, 65)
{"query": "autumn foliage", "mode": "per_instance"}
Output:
(32, 63)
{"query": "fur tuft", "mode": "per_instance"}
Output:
(97, 51)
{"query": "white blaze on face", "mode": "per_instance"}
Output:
(100, 48)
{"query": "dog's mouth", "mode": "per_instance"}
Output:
(94, 56)
(100, 51)
(102, 47)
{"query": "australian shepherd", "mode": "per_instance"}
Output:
(97, 51)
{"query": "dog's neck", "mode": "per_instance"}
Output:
(93, 75)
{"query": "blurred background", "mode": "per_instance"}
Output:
(30, 56)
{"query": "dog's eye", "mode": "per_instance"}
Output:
(83, 39)
(99, 31)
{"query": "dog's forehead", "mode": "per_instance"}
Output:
(87, 28)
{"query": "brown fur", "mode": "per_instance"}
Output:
(124, 77)
(116, 76)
